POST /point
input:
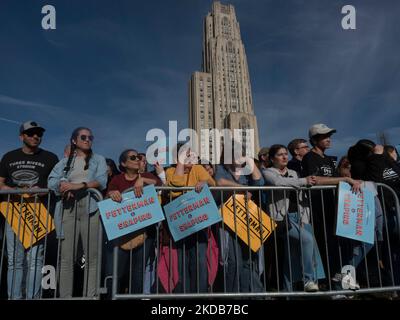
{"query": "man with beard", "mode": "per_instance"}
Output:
(26, 167)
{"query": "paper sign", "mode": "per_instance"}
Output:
(28, 219)
(245, 223)
(191, 212)
(132, 214)
(356, 214)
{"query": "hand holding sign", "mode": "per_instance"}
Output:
(138, 187)
(131, 214)
(355, 186)
(356, 214)
(199, 186)
(115, 195)
(191, 212)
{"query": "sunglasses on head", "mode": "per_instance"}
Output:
(84, 137)
(135, 157)
(31, 133)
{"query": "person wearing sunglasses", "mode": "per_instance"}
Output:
(134, 255)
(78, 217)
(26, 167)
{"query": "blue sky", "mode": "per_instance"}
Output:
(122, 68)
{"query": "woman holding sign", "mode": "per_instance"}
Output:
(70, 178)
(292, 207)
(192, 251)
(136, 250)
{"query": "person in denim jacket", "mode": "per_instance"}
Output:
(77, 217)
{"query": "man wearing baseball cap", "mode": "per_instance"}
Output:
(26, 167)
(317, 163)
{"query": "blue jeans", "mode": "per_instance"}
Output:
(359, 250)
(307, 250)
(18, 260)
(242, 270)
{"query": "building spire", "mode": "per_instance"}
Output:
(220, 95)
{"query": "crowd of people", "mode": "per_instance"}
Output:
(307, 253)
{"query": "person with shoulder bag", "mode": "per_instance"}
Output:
(137, 249)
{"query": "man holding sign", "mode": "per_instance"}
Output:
(317, 163)
(26, 167)
(129, 162)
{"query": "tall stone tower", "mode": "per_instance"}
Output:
(220, 96)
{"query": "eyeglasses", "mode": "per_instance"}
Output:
(135, 157)
(84, 137)
(39, 133)
(303, 147)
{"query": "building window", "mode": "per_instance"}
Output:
(226, 28)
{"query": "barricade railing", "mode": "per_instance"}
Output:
(213, 263)
(32, 256)
(274, 270)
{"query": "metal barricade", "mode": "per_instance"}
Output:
(213, 263)
(276, 270)
(31, 248)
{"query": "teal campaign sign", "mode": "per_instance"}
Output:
(356, 214)
(131, 214)
(191, 212)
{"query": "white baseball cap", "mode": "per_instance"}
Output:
(319, 128)
(30, 125)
